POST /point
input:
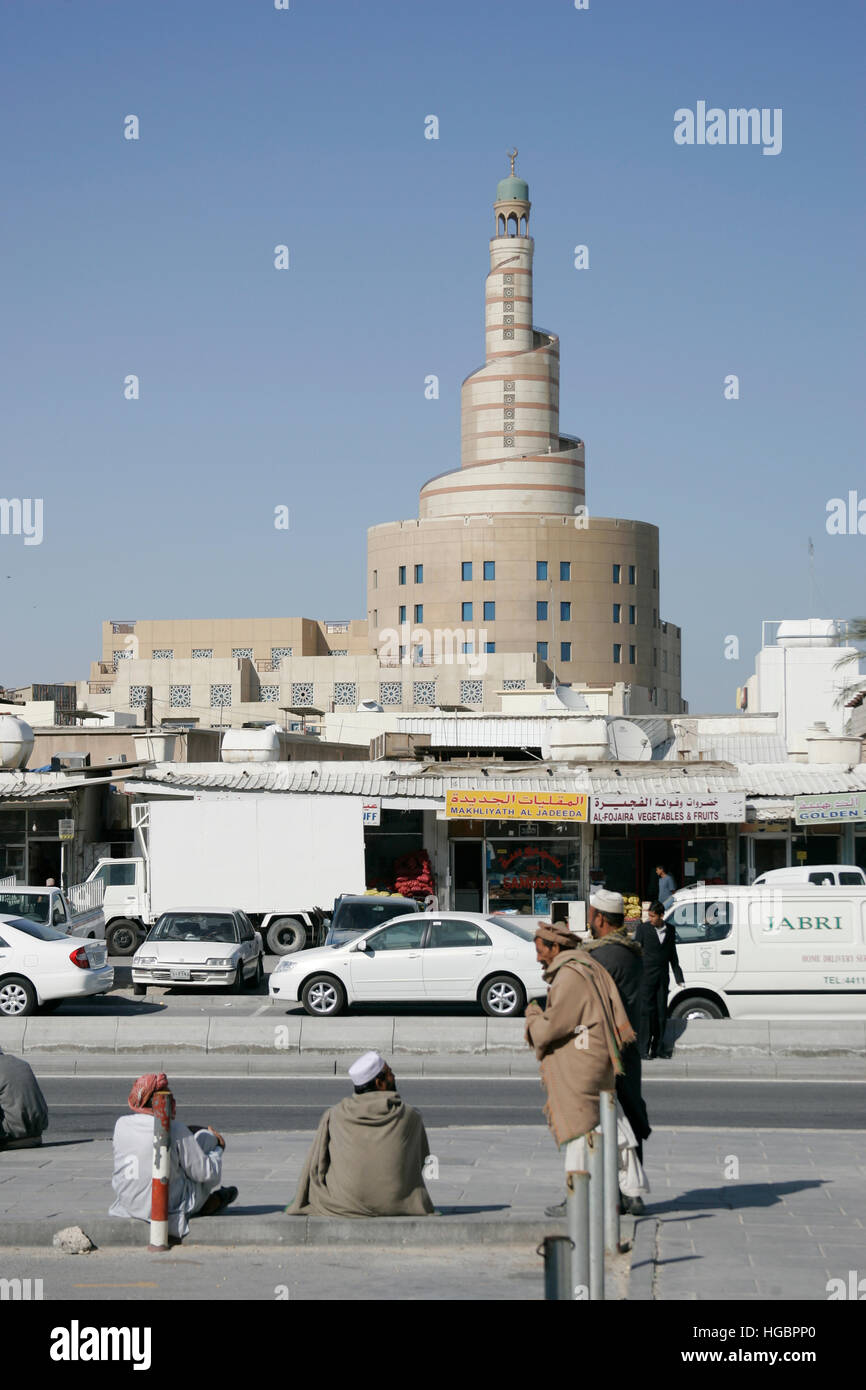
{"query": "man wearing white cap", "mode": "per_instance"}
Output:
(367, 1158)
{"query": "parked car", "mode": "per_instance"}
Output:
(52, 907)
(441, 956)
(356, 913)
(203, 946)
(845, 875)
(786, 951)
(39, 965)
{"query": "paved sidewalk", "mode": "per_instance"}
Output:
(793, 1217)
(489, 1184)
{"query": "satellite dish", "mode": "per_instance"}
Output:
(565, 697)
(370, 707)
(628, 742)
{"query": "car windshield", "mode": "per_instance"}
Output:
(367, 916)
(509, 924)
(36, 906)
(40, 930)
(197, 926)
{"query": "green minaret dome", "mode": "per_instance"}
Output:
(512, 189)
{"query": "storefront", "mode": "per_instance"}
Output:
(514, 851)
(30, 845)
(692, 837)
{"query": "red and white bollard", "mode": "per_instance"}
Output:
(162, 1108)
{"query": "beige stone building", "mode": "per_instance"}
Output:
(503, 583)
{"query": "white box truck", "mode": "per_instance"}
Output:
(277, 857)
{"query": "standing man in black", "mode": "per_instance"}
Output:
(613, 948)
(659, 944)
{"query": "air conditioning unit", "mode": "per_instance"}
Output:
(396, 745)
(62, 762)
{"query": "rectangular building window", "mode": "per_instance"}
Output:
(655, 618)
(632, 573)
(375, 579)
(664, 661)
(541, 649)
(490, 646)
(541, 569)
(631, 613)
(419, 612)
(466, 570)
(655, 579)
(489, 569)
(565, 651)
(565, 569)
(401, 574)
(468, 648)
(565, 612)
(375, 617)
(617, 612)
(401, 613)
(617, 653)
(466, 611)
(541, 611)
(419, 574)
(617, 571)
(631, 655)
(489, 609)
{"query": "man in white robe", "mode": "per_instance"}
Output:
(196, 1164)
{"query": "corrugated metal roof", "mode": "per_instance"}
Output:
(409, 779)
(734, 748)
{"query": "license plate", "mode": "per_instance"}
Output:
(179, 974)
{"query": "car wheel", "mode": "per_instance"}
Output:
(17, 997)
(260, 973)
(122, 939)
(502, 996)
(697, 1007)
(239, 982)
(323, 996)
(285, 936)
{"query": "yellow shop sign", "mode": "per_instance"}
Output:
(480, 804)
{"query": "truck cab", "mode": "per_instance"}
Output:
(50, 907)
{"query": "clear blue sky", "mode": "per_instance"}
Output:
(306, 127)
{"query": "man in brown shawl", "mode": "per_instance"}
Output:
(578, 1038)
(367, 1158)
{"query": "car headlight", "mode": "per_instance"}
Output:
(144, 960)
(219, 960)
(284, 965)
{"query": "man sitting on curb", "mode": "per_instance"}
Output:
(367, 1158)
(23, 1112)
(196, 1163)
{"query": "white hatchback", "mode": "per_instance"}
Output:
(428, 957)
(40, 965)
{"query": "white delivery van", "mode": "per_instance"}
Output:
(843, 874)
(792, 951)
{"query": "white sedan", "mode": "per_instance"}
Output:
(199, 946)
(429, 957)
(40, 965)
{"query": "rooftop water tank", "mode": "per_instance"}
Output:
(251, 745)
(808, 632)
(16, 741)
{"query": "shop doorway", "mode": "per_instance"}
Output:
(467, 875)
(665, 851)
(44, 860)
(768, 853)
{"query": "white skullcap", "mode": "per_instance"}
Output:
(366, 1068)
(606, 901)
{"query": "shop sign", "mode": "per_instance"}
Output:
(611, 809)
(66, 829)
(527, 806)
(371, 811)
(834, 808)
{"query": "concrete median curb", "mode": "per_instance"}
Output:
(276, 1229)
(274, 1036)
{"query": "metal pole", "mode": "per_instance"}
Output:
(595, 1163)
(557, 1267)
(577, 1209)
(162, 1106)
(611, 1172)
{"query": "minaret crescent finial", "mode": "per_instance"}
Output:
(512, 156)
